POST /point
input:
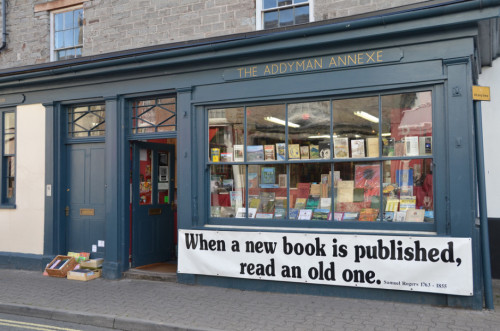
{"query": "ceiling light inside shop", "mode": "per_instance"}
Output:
(387, 134)
(281, 122)
(320, 137)
(366, 116)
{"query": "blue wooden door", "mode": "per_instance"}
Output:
(152, 197)
(85, 198)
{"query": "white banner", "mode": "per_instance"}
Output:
(424, 264)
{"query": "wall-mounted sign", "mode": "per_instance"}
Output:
(319, 63)
(481, 93)
(12, 99)
(422, 264)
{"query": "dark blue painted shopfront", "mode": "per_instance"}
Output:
(438, 51)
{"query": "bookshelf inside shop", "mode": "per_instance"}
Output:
(354, 159)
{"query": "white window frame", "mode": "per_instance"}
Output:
(259, 13)
(52, 29)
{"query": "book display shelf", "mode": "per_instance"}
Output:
(354, 159)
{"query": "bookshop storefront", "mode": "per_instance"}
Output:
(322, 159)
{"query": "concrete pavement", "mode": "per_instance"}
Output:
(130, 304)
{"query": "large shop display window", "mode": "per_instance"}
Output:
(348, 160)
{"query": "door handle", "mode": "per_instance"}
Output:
(66, 211)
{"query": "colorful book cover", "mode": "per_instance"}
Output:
(388, 146)
(324, 150)
(368, 214)
(312, 202)
(314, 151)
(215, 152)
(268, 175)
(255, 153)
(269, 152)
(236, 199)
(340, 148)
(304, 152)
(350, 216)
(367, 176)
(280, 151)
(294, 151)
(338, 216)
(320, 214)
(264, 215)
(226, 157)
(304, 189)
(300, 203)
(294, 213)
(279, 213)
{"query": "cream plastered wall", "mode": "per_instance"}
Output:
(490, 76)
(21, 229)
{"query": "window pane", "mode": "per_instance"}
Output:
(309, 128)
(265, 130)
(58, 22)
(286, 17)
(284, 3)
(299, 1)
(271, 20)
(69, 40)
(67, 20)
(11, 166)
(78, 18)
(227, 188)
(164, 196)
(407, 124)
(145, 181)
(154, 115)
(226, 134)
(59, 40)
(269, 4)
(408, 191)
(357, 191)
(301, 14)
(87, 121)
(266, 198)
(78, 52)
(355, 128)
(78, 38)
(310, 189)
(9, 144)
(9, 125)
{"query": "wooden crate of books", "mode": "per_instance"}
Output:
(84, 274)
(60, 266)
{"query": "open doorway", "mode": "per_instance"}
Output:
(153, 207)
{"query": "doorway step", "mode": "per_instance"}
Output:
(165, 272)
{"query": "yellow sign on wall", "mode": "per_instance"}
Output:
(481, 93)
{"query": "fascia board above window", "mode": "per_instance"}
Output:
(57, 4)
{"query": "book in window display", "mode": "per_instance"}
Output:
(357, 148)
(368, 214)
(304, 152)
(227, 212)
(269, 152)
(407, 202)
(255, 153)
(254, 202)
(268, 177)
(264, 215)
(338, 216)
(315, 189)
(372, 149)
(320, 214)
(312, 202)
(387, 147)
(238, 153)
(300, 203)
(236, 199)
(253, 180)
(367, 176)
(226, 157)
(399, 216)
(350, 216)
(415, 215)
(280, 151)
(324, 150)
(305, 214)
(294, 213)
(252, 212)
(404, 179)
(282, 180)
(340, 148)
(304, 190)
(279, 213)
(241, 212)
(294, 151)
(267, 200)
(425, 145)
(215, 153)
(399, 148)
(314, 152)
(411, 146)
(325, 203)
(345, 191)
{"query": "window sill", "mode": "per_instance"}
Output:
(6, 206)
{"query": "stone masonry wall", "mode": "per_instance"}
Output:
(116, 25)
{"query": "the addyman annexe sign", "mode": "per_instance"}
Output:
(319, 63)
(423, 264)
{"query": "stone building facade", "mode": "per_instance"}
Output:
(117, 25)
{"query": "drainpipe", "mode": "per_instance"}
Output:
(483, 213)
(4, 27)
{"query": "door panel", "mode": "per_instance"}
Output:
(152, 196)
(85, 197)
